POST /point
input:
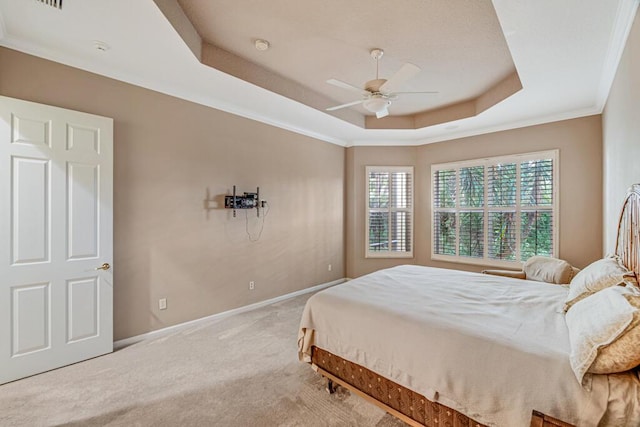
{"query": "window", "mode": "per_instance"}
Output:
(498, 211)
(389, 204)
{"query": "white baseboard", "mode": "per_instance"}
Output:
(117, 345)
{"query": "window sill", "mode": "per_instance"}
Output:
(485, 262)
(388, 255)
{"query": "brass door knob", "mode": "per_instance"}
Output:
(104, 266)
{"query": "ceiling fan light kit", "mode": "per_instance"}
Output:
(376, 103)
(378, 93)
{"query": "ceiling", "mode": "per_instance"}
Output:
(476, 54)
(458, 44)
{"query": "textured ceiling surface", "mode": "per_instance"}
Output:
(458, 44)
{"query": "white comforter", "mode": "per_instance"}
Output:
(490, 347)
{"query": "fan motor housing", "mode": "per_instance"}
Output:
(374, 85)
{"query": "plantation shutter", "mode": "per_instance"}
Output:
(501, 195)
(444, 216)
(471, 212)
(495, 211)
(389, 211)
(536, 199)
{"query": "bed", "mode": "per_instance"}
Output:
(439, 347)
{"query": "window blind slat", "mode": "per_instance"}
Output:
(501, 182)
(400, 190)
(444, 189)
(536, 233)
(378, 189)
(536, 183)
(400, 231)
(378, 231)
(472, 186)
(471, 234)
(444, 226)
(502, 235)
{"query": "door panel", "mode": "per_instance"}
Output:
(82, 211)
(31, 319)
(83, 139)
(30, 131)
(56, 229)
(29, 210)
(84, 314)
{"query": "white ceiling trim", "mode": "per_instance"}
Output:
(584, 112)
(627, 10)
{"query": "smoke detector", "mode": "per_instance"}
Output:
(262, 45)
(100, 46)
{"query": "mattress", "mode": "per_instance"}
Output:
(492, 348)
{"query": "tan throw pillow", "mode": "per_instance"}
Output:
(547, 269)
(604, 332)
(598, 275)
(624, 353)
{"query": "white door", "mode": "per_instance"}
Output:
(56, 231)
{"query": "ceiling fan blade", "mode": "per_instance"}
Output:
(403, 93)
(383, 113)
(347, 86)
(337, 107)
(406, 72)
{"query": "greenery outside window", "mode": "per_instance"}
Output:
(389, 209)
(497, 211)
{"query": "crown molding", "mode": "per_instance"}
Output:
(534, 121)
(625, 17)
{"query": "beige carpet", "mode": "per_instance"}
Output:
(238, 371)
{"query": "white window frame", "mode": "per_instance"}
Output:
(517, 159)
(389, 253)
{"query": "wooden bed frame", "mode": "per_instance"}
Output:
(416, 410)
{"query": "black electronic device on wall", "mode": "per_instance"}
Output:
(244, 201)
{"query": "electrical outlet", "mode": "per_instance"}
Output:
(329, 267)
(252, 285)
(162, 303)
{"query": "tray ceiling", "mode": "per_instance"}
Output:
(563, 54)
(459, 46)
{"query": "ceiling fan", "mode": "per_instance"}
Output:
(378, 93)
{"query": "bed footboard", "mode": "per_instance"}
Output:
(538, 419)
(405, 404)
(409, 406)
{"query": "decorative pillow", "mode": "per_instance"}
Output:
(547, 269)
(604, 330)
(601, 274)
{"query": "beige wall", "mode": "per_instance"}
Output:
(169, 154)
(356, 160)
(621, 135)
(580, 145)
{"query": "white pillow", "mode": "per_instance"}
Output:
(605, 324)
(601, 274)
(548, 269)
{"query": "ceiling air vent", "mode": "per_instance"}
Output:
(53, 3)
